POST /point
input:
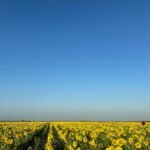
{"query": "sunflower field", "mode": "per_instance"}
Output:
(74, 136)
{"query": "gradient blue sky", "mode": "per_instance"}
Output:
(75, 59)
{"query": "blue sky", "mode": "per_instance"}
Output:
(74, 60)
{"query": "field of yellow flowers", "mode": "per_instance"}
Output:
(74, 136)
(22, 135)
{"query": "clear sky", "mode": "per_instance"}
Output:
(75, 60)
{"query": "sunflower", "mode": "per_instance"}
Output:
(114, 142)
(119, 148)
(85, 139)
(74, 144)
(92, 143)
(141, 139)
(10, 141)
(25, 133)
(120, 142)
(146, 143)
(138, 145)
(110, 148)
(130, 140)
